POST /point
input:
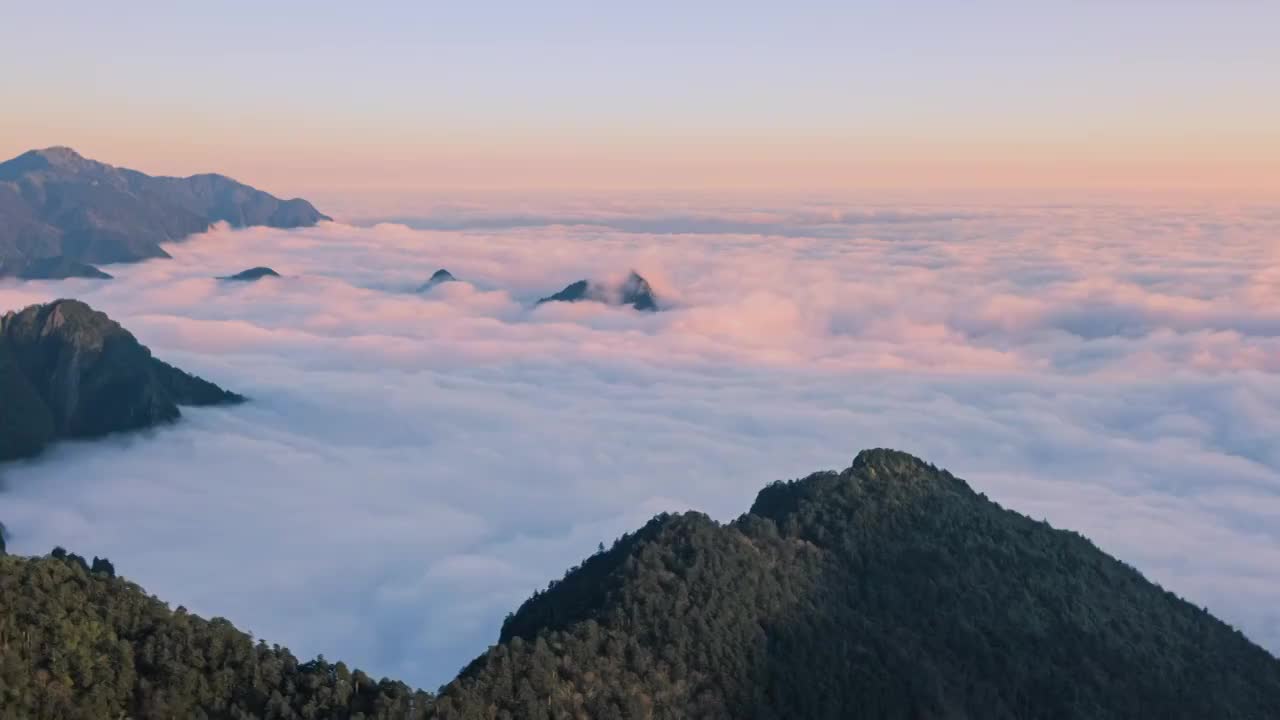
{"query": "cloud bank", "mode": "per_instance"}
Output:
(413, 466)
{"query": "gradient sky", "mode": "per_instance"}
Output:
(310, 97)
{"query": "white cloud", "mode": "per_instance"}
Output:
(413, 466)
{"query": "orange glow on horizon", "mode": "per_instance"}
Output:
(1246, 166)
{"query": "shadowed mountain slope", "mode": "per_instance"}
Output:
(68, 371)
(57, 267)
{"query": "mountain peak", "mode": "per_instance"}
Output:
(59, 154)
(438, 277)
(887, 587)
(58, 159)
(875, 461)
(72, 319)
(634, 291)
(637, 293)
(878, 480)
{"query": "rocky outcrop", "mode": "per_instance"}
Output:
(634, 291)
(68, 371)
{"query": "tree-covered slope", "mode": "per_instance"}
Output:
(76, 644)
(888, 590)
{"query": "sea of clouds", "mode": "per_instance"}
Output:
(412, 466)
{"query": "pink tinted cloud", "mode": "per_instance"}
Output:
(1112, 370)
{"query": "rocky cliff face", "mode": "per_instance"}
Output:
(67, 370)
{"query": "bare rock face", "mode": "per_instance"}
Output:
(67, 370)
(54, 202)
(637, 293)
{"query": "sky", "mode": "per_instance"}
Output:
(411, 466)
(333, 100)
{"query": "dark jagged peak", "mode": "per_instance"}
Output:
(637, 293)
(49, 268)
(57, 202)
(634, 291)
(573, 292)
(254, 273)
(67, 370)
(438, 277)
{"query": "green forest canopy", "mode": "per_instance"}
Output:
(888, 590)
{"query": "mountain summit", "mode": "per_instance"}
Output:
(55, 202)
(887, 590)
(438, 277)
(252, 274)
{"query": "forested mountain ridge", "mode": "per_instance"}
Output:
(77, 643)
(69, 371)
(887, 590)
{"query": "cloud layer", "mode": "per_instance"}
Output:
(412, 466)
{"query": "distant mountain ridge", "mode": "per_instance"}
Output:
(68, 371)
(56, 203)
